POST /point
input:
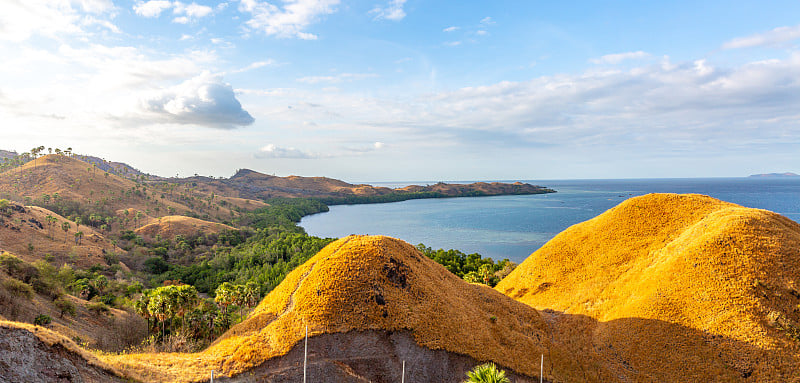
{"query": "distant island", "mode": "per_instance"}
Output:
(775, 175)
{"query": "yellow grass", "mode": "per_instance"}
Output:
(172, 225)
(662, 266)
(340, 290)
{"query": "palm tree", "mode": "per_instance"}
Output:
(487, 373)
(78, 236)
(65, 226)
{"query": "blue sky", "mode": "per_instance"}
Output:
(392, 90)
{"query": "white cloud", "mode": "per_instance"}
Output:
(192, 11)
(481, 32)
(378, 145)
(342, 77)
(450, 29)
(203, 100)
(289, 20)
(452, 43)
(774, 37)
(487, 21)
(152, 8)
(185, 13)
(617, 58)
(392, 11)
(20, 19)
(255, 65)
(272, 151)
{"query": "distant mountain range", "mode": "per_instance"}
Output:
(775, 175)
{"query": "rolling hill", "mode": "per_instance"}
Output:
(369, 303)
(677, 286)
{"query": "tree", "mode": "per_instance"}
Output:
(78, 236)
(65, 226)
(487, 373)
(65, 306)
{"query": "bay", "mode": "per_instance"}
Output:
(515, 226)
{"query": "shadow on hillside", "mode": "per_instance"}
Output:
(648, 350)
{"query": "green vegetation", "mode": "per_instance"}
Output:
(472, 268)
(487, 373)
(42, 320)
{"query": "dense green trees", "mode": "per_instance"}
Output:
(471, 267)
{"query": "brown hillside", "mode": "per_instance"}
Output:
(172, 225)
(25, 232)
(679, 286)
(78, 181)
(361, 285)
(35, 354)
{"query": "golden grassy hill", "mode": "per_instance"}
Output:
(25, 232)
(363, 283)
(78, 181)
(675, 286)
(172, 225)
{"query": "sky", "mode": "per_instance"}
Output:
(404, 90)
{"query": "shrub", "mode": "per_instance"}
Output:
(108, 299)
(97, 307)
(42, 320)
(65, 306)
(18, 288)
(487, 373)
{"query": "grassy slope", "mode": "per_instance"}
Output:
(678, 284)
(366, 283)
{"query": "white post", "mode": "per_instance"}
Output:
(212, 376)
(403, 377)
(305, 356)
(541, 370)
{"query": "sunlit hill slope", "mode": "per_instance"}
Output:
(681, 286)
(374, 292)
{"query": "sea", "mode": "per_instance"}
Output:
(512, 227)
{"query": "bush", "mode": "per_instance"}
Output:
(65, 306)
(42, 320)
(108, 299)
(46, 288)
(18, 288)
(97, 307)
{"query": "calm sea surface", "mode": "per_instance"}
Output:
(514, 226)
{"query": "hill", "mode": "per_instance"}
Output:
(31, 353)
(369, 303)
(172, 225)
(27, 232)
(679, 287)
(254, 185)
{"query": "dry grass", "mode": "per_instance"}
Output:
(365, 283)
(52, 338)
(20, 235)
(172, 225)
(684, 279)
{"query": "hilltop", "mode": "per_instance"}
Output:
(254, 185)
(679, 286)
(371, 302)
(663, 287)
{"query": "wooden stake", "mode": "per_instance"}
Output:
(541, 370)
(305, 356)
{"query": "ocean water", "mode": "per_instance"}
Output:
(515, 226)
